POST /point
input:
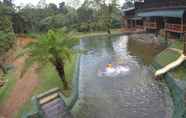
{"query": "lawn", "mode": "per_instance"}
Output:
(48, 80)
(166, 57)
(177, 44)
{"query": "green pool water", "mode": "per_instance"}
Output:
(131, 94)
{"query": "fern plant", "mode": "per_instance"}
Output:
(55, 48)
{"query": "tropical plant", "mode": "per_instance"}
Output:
(54, 48)
(106, 12)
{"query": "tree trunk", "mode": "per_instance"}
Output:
(3, 69)
(59, 65)
(109, 32)
(166, 39)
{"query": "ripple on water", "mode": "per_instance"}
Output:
(131, 95)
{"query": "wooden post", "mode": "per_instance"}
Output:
(182, 25)
(184, 41)
(127, 23)
(183, 35)
(166, 38)
(135, 24)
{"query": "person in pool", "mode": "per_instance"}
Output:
(113, 70)
(109, 66)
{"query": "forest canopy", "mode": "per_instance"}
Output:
(92, 15)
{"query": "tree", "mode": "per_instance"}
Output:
(42, 4)
(86, 15)
(73, 3)
(54, 48)
(62, 8)
(8, 2)
(53, 7)
(32, 16)
(6, 29)
(128, 4)
(106, 12)
(7, 36)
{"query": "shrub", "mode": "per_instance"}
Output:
(6, 41)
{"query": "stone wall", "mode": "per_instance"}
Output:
(145, 37)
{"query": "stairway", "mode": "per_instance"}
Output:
(51, 105)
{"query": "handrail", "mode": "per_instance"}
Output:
(167, 4)
(150, 25)
(175, 27)
(173, 64)
(139, 26)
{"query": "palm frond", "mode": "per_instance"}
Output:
(66, 54)
(47, 48)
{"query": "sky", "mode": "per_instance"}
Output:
(34, 2)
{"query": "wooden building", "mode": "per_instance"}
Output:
(132, 22)
(166, 16)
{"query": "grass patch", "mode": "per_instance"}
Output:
(6, 89)
(34, 35)
(49, 79)
(166, 57)
(177, 44)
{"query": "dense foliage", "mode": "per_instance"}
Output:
(6, 27)
(54, 48)
(92, 15)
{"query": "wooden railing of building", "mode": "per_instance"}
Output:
(167, 4)
(139, 27)
(150, 25)
(178, 28)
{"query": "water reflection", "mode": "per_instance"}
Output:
(130, 95)
(146, 52)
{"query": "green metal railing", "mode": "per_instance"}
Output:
(177, 94)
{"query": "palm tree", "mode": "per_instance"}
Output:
(54, 48)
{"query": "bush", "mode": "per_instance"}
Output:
(84, 27)
(6, 41)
